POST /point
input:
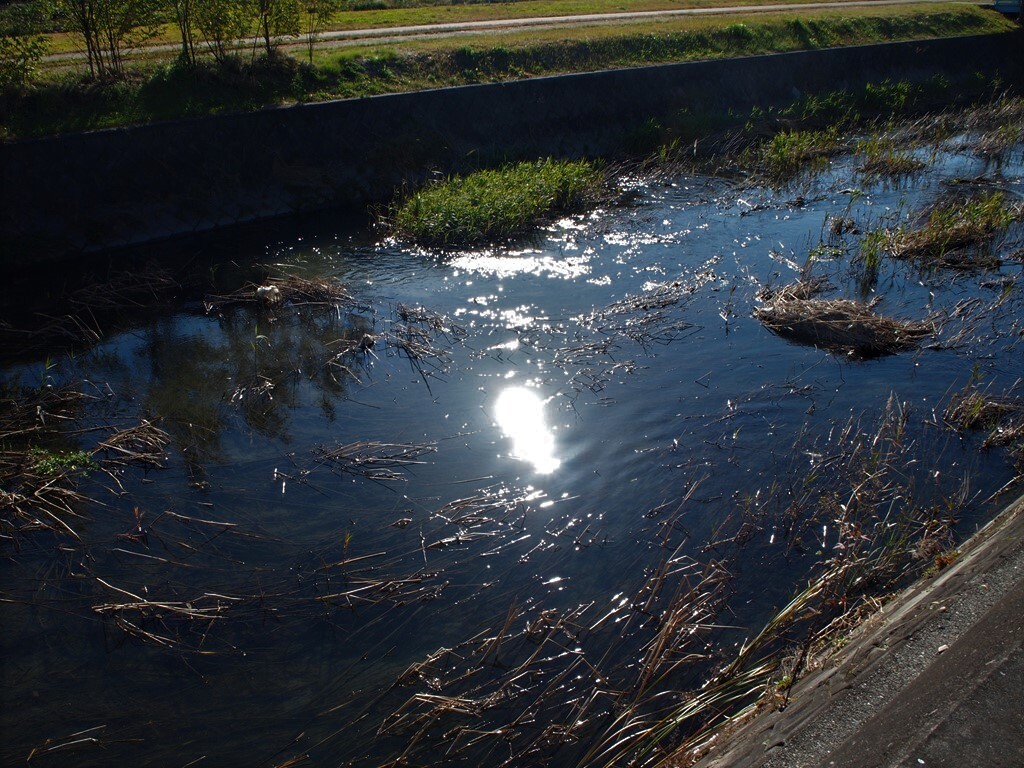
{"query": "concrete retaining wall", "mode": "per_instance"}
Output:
(94, 191)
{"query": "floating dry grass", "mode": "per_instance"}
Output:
(375, 460)
(840, 325)
(860, 504)
(537, 682)
(642, 679)
(970, 321)
(42, 461)
(286, 290)
(143, 444)
(645, 319)
(158, 621)
(424, 337)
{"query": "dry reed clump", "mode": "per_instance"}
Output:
(971, 409)
(839, 325)
(802, 290)
(143, 444)
(285, 290)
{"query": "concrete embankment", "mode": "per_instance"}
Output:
(90, 192)
(933, 679)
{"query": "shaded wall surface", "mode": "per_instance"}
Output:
(95, 191)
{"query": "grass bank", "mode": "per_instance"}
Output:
(167, 91)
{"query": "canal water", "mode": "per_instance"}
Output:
(464, 539)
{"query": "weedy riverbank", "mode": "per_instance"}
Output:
(147, 92)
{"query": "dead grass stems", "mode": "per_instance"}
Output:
(42, 467)
(841, 325)
(619, 683)
(862, 508)
(286, 290)
(374, 460)
(413, 333)
(645, 320)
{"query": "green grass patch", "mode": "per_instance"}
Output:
(54, 463)
(495, 205)
(956, 226)
(788, 153)
(884, 158)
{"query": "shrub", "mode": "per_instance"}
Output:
(19, 57)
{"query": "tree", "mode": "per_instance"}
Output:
(184, 17)
(19, 57)
(275, 19)
(315, 18)
(222, 23)
(21, 45)
(110, 29)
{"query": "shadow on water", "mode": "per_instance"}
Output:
(516, 505)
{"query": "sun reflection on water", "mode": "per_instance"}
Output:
(506, 265)
(519, 412)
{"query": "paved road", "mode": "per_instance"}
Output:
(357, 37)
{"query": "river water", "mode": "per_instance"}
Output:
(566, 441)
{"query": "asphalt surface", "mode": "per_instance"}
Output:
(935, 679)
